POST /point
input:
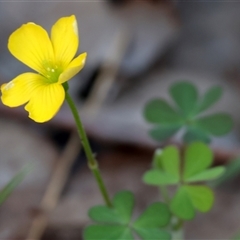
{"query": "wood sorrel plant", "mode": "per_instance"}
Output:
(187, 113)
(44, 92)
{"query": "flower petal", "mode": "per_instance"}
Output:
(45, 102)
(20, 89)
(73, 68)
(31, 45)
(64, 36)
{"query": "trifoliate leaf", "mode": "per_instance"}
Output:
(159, 111)
(123, 202)
(153, 233)
(209, 98)
(181, 205)
(170, 120)
(148, 224)
(206, 175)
(197, 158)
(171, 161)
(185, 96)
(217, 124)
(104, 214)
(158, 177)
(194, 134)
(163, 132)
(156, 215)
(121, 211)
(188, 198)
(202, 197)
(106, 232)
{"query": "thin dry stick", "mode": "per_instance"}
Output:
(94, 103)
(108, 74)
(55, 187)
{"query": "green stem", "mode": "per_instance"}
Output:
(92, 163)
(178, 234)
(177, 224)
(177, 230)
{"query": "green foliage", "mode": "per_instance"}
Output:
(115, 223)
(232, 171)
(185, 96)
(189, 198)
(236, 237)
(168, 170)
(13, 183)
(209, 98)
(197, 158)
(169, 119)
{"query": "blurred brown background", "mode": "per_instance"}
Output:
(136, 50)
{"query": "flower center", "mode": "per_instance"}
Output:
(52, 73)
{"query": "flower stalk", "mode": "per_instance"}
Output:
(92, 162)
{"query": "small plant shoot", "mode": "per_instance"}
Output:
(187, 174)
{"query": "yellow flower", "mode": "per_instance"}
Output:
(51, 58)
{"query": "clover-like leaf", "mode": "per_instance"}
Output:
(105, 214)
(171, 161)
(121, 212)
(167, 172)
(206, 175)
(217, 124)
(190, 197)
(197, 158)
(168, 120)
(185, 96)
(153, 233)
(167, 168)
(123, 202)
(149, 222)
(181, 205)
(106, 232)
(158, 177)
(164, 131)
(202, 197)
(209, 98)
(159, 111)
(115, 223)
(149, 218)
